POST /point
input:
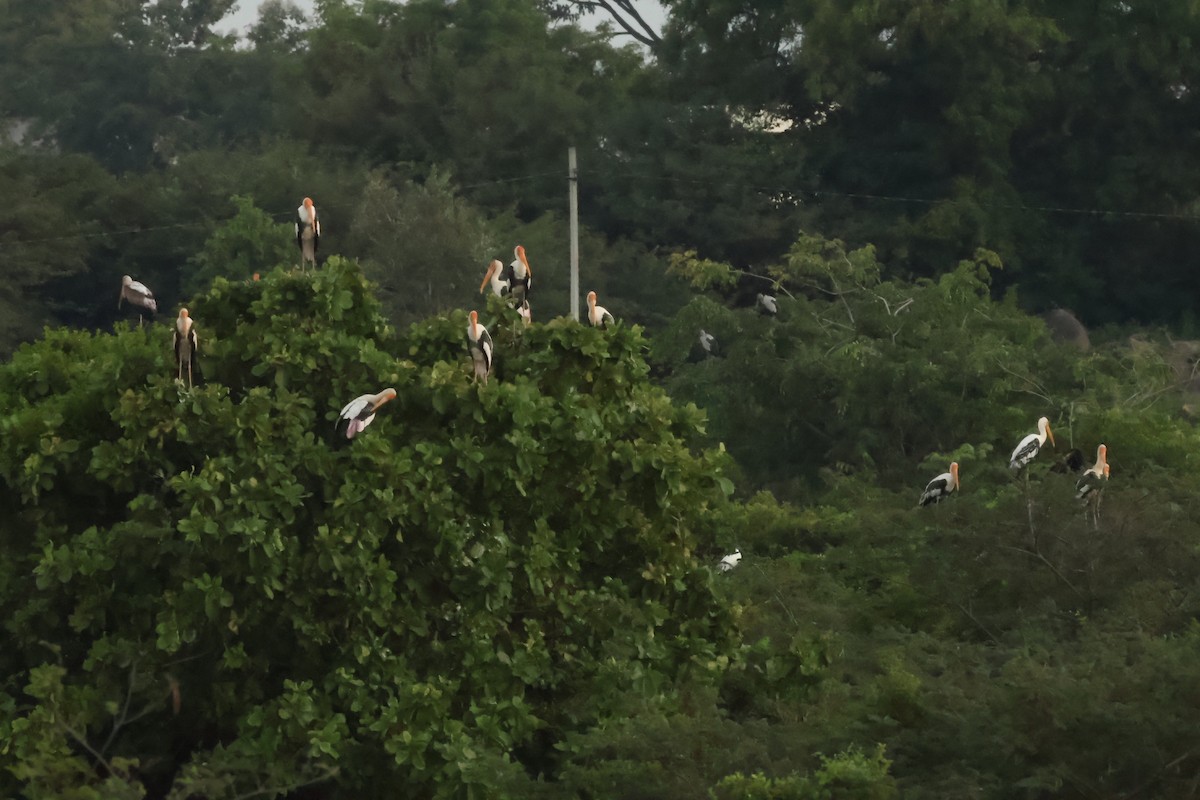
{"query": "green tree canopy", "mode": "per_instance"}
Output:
(201, 586)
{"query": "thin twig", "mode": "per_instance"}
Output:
(1045, 561)
(979, 624)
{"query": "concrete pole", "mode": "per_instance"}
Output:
(573, 185)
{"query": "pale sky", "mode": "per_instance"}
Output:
(247, 13)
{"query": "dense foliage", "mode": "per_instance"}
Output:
(510, 590)
(468, 582)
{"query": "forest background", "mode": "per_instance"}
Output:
(510, 592)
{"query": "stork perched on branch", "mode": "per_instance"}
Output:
(941, 487)
(359, 412)
(598, 315)
(1090, 486)
(499, 277)
(1029, 447)
(308, 232)
(185, 344)
(136, 293)
(520, 275)
(479, 345)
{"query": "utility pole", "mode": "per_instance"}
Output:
(573, 185)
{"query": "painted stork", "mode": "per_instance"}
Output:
(498, 277)
(520, 275)
(598, 315)
(525, 312)
(359, 412)
(137, 294)
(1091, 485)
(308, 232)
(768, 304)
(185, 344)
(1030, 446)
(941, 487)
(479, 344)
(730, 561)
(708, 342)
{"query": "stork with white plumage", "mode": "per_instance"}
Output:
(1029, 447)
(941, 487)
(136, 294)
(1090, 486)
(308, 232)
(730, 561)
(359, 412)
(521, 275)
(767, 304)
(598, 315)
(479, 345)
(185, 343)
(498, 277)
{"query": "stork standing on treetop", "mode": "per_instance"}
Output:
(598, 315)
(308, 232)
(185, 344)
(520, 276)
(498, 277)
(1029, 447)
(767, 304)
(941, 487)
(137, 294)
(479, 345)
(730, 561)
(358, 413)
(1091, 484)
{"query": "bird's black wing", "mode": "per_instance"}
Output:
(1089, 484)
(935, 491)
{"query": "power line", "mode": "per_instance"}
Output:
(777, 191)
(282, 215)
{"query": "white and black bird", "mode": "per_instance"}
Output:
(308, 232)
(1091, 484)
(730, 561)
(941, 487)
(499, 277)
(1029, 447)
(136, 293)
(360, 411)
(708, 342)
(520, 275)
(185, 344)
(767, 304)
(598, 315)
(479, 344)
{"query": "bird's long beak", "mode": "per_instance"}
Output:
(954, 473)
(1050, 433)
(525, 261)
(1106, 470)
(385, 396)
(488, 276)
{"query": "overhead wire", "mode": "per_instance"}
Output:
(776, 191)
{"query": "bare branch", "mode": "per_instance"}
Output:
(622, 13)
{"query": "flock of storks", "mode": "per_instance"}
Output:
(513, 283)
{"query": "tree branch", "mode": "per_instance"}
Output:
(644, 33)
